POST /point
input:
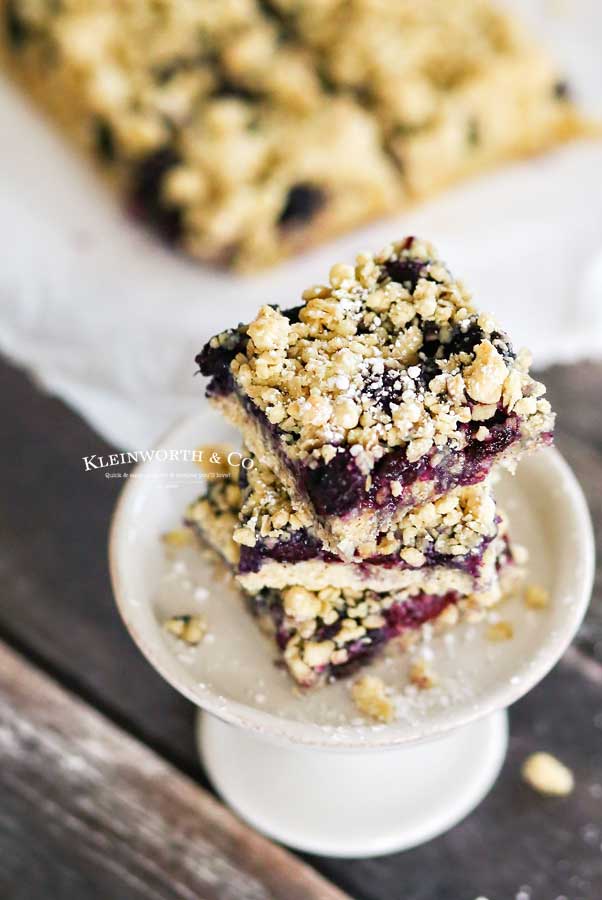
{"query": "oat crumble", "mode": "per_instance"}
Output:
(384, 376)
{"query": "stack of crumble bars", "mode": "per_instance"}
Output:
(244, 131)
(373, 414)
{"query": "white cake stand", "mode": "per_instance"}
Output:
(306, 770)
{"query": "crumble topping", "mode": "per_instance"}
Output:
(392, 352)
(187, 628)
(455, 524)
(222, 496)
(370, 696)
(548, 775)
(266, 510)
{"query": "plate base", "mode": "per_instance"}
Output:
(354, 804)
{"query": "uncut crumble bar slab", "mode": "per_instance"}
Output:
(244, 131)
(451, 544)
(385, 389)
(457, 85)
(218, 133)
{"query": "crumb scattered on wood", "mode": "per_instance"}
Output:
(548, 775)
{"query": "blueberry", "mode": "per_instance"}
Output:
(302, 203)
(214, 362)
(417, 610)
(17, 29)
(385, 389)
(463, 340)
(501, 435)
(405, 271)
(145, 196)
(561, 90)
(337, 487)
(104, 141)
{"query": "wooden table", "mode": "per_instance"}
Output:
(102, 794)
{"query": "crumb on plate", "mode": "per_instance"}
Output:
(190, 629)
(500, 631)
(422, 676)
(536, 597)
(369, 695)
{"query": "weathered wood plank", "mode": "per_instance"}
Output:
(576, 393)
(54, 582)
(106, 810)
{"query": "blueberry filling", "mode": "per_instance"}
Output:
(336, 487)
(463, 340)
(302, 546)
(214, 362)
(411, 613)
(146, 201)
(299, 547)
(104, 141)
(417, 610)
(406, 271)
(302, 203)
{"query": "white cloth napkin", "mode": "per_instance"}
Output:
(110, 321)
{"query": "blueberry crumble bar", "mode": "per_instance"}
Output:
(449, 544)
(383, 390)
(243, 131)
(330, 631)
